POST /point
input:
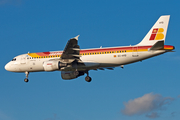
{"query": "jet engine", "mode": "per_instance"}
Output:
(53, 65)
(67, 75)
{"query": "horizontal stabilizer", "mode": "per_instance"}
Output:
(158, 45)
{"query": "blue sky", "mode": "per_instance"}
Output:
(144, 90)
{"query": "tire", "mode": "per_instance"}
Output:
(26, 80)
(88, 79)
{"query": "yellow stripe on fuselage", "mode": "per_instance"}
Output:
(33, 55)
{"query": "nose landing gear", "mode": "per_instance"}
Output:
(26, 79)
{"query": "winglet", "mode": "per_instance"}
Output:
(77, 37)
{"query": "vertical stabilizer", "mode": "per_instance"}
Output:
(157, 32)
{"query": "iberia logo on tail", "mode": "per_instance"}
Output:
(157, 34)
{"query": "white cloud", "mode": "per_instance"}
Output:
(146, 104)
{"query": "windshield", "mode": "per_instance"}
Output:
(14, 59)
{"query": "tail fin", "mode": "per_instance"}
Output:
(157, 32)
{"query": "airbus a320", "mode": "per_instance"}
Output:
(74, 62)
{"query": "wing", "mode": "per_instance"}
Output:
(71, 51)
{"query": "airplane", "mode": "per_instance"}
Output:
(74, 62)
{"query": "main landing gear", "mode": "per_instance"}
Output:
(26, 79)
(87, 78)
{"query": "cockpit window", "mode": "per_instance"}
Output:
(14, 59)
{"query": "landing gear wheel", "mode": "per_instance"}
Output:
(26, 80)
(76, 73)
(88, 79)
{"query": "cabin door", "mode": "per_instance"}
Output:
(135, 52)
(23, 60)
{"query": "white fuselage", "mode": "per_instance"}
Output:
(26, 63)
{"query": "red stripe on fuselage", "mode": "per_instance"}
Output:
(113, 49)
(102, 50)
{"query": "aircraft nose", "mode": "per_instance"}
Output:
(7, 67)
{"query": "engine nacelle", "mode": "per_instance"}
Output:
(51, 65)
(67, 75)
